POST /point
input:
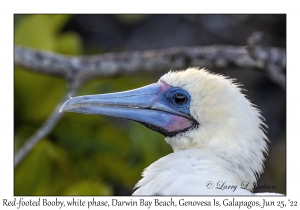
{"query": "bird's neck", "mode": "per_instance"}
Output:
(196, 170)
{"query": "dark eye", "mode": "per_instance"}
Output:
(180, 98)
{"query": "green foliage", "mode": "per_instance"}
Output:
(87, 187)
(129, 19)
(45, 171)
(84, 154)
(43, 32)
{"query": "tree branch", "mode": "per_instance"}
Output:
(111, 64)
(265, 58)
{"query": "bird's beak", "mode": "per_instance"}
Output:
(145, 105)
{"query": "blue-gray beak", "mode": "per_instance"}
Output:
(145, 105)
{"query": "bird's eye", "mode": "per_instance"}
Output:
(180, 98)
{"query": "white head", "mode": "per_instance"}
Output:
(230, 127)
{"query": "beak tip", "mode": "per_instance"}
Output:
(61, 110)
(63, 107)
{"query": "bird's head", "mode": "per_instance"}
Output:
(193, 109)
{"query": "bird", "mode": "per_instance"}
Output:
(217, 135)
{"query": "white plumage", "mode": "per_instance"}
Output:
(227, 147)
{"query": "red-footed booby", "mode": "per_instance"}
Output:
(217, 135)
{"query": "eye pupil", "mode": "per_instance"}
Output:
(180, 98)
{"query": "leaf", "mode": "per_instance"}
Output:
(68, 43)
(39, 31)
(45, 171)
(88, 187)
(131, 19)
(37, 94)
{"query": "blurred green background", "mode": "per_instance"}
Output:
(97, 155)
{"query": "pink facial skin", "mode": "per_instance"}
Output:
(175, 123)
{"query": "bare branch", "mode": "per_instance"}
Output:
(43, 62)
(271, 59)
(111, 64)
(46, 127)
